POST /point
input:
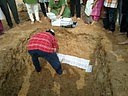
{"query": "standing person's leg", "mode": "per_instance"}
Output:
(4, 8)
(126, 29)
(112, 18)
(127, 23)
(30, 12)
(78, 9)
(106, 18)
(47, 3)
(12, 5)
(123, 25)
(72, 7)
(35, 60)
(120, 11)
(36, 12)
(43, 9)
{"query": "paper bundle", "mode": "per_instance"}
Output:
(75, 61)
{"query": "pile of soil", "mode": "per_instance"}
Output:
(109, 77)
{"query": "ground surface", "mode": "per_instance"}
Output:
(109, 60)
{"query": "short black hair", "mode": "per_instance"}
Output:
(50, 32)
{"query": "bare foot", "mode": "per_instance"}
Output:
(32, 22)
(45, 17)
(93, 22)
(39, 21)
(78, 18)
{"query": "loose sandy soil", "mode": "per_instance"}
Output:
(109, 60)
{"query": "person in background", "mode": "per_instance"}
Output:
(111, 14)
(44, 6)
(75, 4)
(44, 44)
(59, 8)
(96, 10)
(1, 25)
(32, 7)
(124, 19)
(4, 4)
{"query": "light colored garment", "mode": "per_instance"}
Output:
(60, 21)
(33, 8)
(96, 11)
(88, 8)
(43, 1)
(1, 15)
(81, 1)
(111, 3)
(75, 61)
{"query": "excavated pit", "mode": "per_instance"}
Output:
(18, 77)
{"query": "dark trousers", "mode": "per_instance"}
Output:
(110, 18)
(124, 23)
(75, 4)
(44, 8)
(124, 16)
(120, 11)
(12, 4)
(52, 58)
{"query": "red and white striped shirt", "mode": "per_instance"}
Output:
(43, 41)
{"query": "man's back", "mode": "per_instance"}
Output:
(43, 41)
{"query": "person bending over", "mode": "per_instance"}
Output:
(44, 44)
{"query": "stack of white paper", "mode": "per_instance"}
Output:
(56, 22)
(66, 21)
(60, 21)
(75, 61)
(51, 16)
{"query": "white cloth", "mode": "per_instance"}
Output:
(33, 8)
(1, 15)
(88, 8)
(81, 1)
(60, 21)
(75, 61)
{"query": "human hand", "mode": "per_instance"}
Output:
(59, 16)
(56, 49)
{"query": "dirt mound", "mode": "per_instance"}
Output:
(109, 76)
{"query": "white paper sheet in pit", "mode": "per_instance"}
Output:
(56, 22)
(51, 16)
(75, 61)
